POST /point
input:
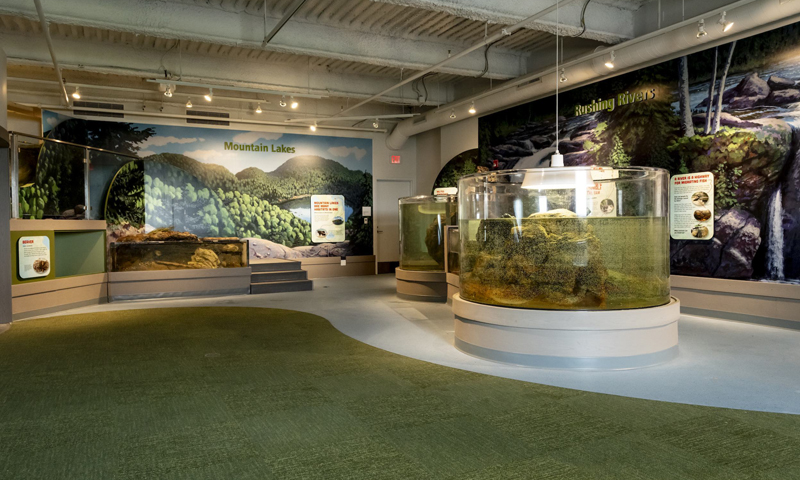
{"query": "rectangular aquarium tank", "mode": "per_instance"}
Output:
(422, 222)
(570, 238)
(203, 253)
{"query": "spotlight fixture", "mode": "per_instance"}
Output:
(208, 96)
(76, 94)
(282, 103)
(168, 91)
(375, 123)
(258, 108)
(472, 108)
(610, 62)
(313, 127)
(189, 103)
(701, 29)
(563, 77)
(726, 25)
(294, 102)
(453, 113)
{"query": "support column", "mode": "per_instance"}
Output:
(5, 205)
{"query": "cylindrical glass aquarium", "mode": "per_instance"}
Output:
(569, 238)
(422, 222)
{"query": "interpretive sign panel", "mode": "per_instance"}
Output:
(692, 206)
(33, 254)
(327, 218)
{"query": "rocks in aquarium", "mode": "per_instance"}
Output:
(553, 258)
(204, 258)
(160, 235)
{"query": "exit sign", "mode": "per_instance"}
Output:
(395, 158)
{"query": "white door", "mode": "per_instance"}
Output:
(387, 222)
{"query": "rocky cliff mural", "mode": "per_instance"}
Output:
(733, 110)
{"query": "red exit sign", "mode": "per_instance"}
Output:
(395, 158)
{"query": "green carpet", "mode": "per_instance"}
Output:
(241, 393)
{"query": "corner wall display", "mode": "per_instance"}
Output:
(215, 182)
(732, 110)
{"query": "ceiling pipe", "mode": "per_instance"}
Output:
(61, 109)
(751, 17)
(487, 41)
(46, 32)
(277, 28)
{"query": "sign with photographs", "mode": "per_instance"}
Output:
(33, 256)
(692, 206)
(327, 218)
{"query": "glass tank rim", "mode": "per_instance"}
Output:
(522, 171)
(416, 199)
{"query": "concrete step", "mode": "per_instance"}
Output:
(280, 287)
(274, 265)
(288, 275)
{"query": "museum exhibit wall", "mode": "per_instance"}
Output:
(666, 116)
(183, 177)
(5, 260)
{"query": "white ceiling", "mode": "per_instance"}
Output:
(343, 50)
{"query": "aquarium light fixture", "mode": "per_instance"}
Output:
(282, 103)
(557, 179)
(610, 62)
(701, 29)
(208, 96)
(294, 103)
(726, 25)
(258, 108)
(76, 94)
(313, 128)
(189, 103)
(453, 113)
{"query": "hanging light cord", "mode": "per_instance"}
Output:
(558, 3)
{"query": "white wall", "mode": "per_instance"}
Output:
(28, 124)
(429, 162)
(458, 137)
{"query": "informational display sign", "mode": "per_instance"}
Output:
(691, 213)
(602, 195)
(33, 256)
(327, 218)
(446, 191)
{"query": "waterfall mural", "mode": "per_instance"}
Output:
(733, 110)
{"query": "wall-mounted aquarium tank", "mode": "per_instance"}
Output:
(422, 222)
(580, 238)
(169, 250)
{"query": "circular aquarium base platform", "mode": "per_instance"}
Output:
(582, 339)
(421, 285)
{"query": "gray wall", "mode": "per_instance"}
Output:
(5, 210)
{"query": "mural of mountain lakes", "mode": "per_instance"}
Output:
(675, 115)
(175, 192)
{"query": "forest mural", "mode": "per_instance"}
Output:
(206, 182)
(733, 110)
